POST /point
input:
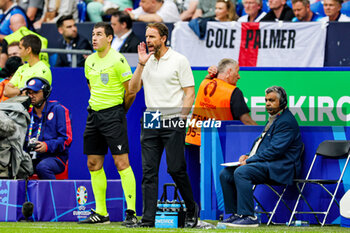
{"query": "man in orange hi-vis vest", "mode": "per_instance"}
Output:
(219, 98)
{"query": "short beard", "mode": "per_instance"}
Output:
(157, 50)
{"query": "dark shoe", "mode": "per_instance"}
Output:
(96, 218)
(146, 224)
(230, 219)
(130, 218)
(247, 221)
(191, 219)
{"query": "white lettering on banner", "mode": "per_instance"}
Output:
(325, 108)
(340, 103)
(258, 106)
(311, 108)
(266, 44)
(321, 100)
(296, 108)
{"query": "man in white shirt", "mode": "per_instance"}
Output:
(168, 83)
(125, 40)
(156, 11)
(332, 10)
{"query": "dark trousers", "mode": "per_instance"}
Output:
(48, 167)
(153, 142)
(237, 187)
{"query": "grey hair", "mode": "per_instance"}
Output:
(225, 63)
(257, 1)
(281, 94)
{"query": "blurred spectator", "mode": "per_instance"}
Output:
(9, 9)
(29, 46)
(49, 134)
(7, 72)
(18, 26)
(254, 11)
(125, 40)
(302, 12)
(332, 10)
(206, 8)
(33, 8)
(13, 49)
(70, 39)
(156, 11)
(54, 9)
(225, 11)
(279, 11)
(187, 8)
(97, 8)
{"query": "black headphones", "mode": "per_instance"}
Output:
(46, 86)
(283, 97)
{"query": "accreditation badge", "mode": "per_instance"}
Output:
(104, 78)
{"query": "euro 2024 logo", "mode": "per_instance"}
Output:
(81, 195)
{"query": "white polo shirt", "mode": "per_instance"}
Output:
(163, 81)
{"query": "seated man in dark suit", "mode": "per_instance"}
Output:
(274, 158)
(71, 39)
(125, 40)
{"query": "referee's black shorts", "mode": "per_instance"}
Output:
(106, 128)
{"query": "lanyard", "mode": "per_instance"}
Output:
(30, 131)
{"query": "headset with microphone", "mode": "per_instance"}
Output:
(46, 87)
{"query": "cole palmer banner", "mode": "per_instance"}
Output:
(275, 44)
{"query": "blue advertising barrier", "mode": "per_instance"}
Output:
(57, 200)
(229, 142)
(11, 199)
(71, 200)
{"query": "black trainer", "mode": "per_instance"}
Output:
(142, 224)
(191, 219)
(130, 218)
(96, 218)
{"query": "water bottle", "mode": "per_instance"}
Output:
(299, 223)
(167, 205)
(183, 205)
(177, 206)
(160, 206)
(221, 226)
(257, 212)
(173, 206)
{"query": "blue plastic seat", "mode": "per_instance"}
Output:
(81, 11)
(345, 8)
(317, 7)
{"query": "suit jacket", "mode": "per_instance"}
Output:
(79, 42)
(280, 149)
(130, 44)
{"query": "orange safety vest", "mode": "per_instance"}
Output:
(2, 88)
(212, 102)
